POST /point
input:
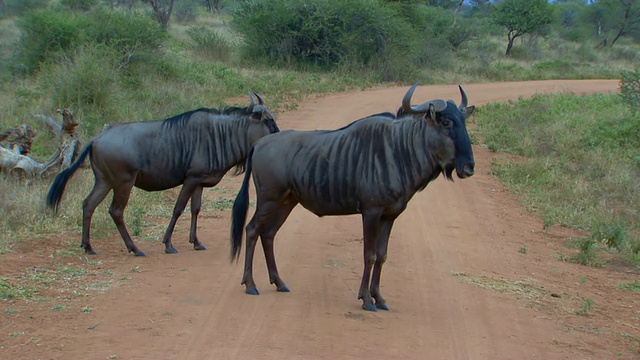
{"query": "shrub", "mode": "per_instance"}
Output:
(84, 80)
(82, 5)
(208, 42)
(630, 89)
(19, 7)
(185, 11)
(127, 32)
(320, 32)
(43, 34)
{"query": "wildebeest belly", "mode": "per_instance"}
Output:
(324, 208)
(157, 181)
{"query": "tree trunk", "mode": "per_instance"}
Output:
(455, 13)
(163, 15)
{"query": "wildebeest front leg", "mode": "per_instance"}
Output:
(196, 202)
(382, 243)
(370, 226)
(187, 190)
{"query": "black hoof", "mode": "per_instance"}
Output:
(171, 250)
(140, 253)
(253, 291)
(382, 307)
(284, 289)
(200, 247)
(369, 307)
(89, 251)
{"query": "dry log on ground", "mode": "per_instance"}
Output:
(15, 145)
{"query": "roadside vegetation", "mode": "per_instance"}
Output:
(117, 61)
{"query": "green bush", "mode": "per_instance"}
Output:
(208, 42)
(84, 80)
(630, 89)
(127, 32)
(19, 7)
(185, 11)
(320, 32)
(82, 5)
(45, 33)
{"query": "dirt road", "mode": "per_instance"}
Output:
(457, 279)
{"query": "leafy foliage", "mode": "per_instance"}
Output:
(45, 33)
(321, 32)
(82, 5)
(630, 89)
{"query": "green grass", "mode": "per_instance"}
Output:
(578, 168)
(586, 307)
(10, 290)
(633, 286)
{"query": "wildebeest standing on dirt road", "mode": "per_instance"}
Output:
(195, 149)
(371, 167)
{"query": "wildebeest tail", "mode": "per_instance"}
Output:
(57, 188)
(239, 212)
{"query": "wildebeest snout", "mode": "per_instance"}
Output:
(467, 171)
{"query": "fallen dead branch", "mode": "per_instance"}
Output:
(15, 145)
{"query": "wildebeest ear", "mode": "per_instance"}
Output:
(468, 111)
(430, 116)
(257, 112)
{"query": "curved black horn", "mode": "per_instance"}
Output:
(260, 100)
(463, 104)
(252, 103)
(439, 105)
(406, 100)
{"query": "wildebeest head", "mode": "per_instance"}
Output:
(262, 121)
(449, 118)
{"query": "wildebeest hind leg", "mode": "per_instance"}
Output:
(196, 201)
(95, 197)
(252, 238)
(267, 236)
(381, 256)
(119, 203)
(187, 190)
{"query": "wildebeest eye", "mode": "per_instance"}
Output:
(445, 123)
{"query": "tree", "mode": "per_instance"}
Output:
(163, 10)
(616, 18)
(521, 17)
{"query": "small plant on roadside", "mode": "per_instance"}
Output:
(523, 250)
(588, 254)
(86, 310)
(58, 307)
(9, 290)
(586, 307)
(222, 204)
(630, 286)
(630, 89)
(11, 311)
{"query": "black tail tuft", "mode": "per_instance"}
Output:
(54, 197)
(239, 212)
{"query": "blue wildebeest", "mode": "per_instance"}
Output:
(371, 167)
(195, 149)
